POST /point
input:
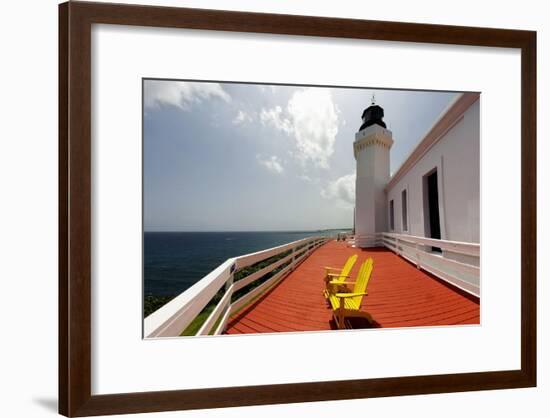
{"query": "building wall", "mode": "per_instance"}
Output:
(456, 156)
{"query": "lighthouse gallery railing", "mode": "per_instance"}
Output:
(173, 318)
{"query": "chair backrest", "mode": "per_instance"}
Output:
(349, 265)
(362, 281)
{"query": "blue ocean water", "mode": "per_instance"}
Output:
(174, 261)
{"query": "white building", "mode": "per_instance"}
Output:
(435, 192)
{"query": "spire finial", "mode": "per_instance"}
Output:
(373, 115)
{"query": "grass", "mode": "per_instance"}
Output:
(196, 324)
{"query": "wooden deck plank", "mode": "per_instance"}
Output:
(400, 295)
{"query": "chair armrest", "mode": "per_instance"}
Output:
(350, 295)
(338, 282)
(336, 275)
(332, 268)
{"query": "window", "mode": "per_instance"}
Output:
(432, 226)
(404, 210)
(392, 224)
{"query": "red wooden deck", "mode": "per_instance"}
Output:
(400, 295)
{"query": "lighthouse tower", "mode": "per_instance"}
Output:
(372, 153)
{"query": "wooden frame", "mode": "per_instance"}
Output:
(75, 22)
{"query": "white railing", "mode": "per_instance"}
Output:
(457, 263)
(351, 240)
(367, 240)
(174, 317)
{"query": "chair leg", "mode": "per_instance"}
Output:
(341, 324)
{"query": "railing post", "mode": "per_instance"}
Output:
(229, 282)
(417, 255)
(228, 285)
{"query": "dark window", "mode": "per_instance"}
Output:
(431, 204)
(392, 224)
(404, 210)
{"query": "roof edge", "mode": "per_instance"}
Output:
(448, 118)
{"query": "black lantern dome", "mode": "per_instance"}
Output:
(372, 115)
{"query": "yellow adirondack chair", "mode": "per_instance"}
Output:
(333, 274)
(346, 304)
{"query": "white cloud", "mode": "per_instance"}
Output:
(181, 94)
(272, 163)
(276, 118)
(315, 120)
(311, 118)
(342, 190)
(242, 117)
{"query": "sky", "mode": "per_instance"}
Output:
(251, 157)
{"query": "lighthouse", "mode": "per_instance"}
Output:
(371, 149)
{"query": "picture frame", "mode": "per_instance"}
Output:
(75, 206)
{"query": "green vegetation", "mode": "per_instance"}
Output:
(152, 303)
(196, 324)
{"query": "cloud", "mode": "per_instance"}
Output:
(311, 119)
(276, 119)
(342, 190)
(242, 117)
(181, 94)
(315, 120)
(272, 164)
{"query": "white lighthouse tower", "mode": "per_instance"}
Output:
(372, 153)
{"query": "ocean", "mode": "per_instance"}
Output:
(174, 261)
